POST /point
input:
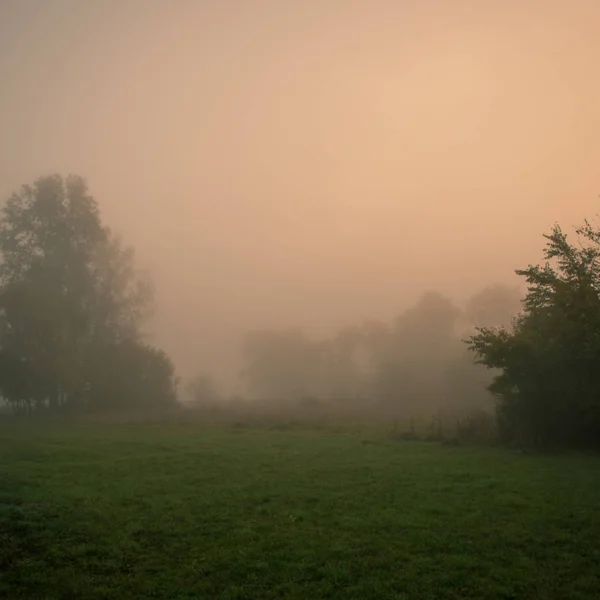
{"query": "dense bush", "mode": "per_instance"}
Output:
(548, 386)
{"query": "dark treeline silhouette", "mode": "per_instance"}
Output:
(71, 308)
(548, 385)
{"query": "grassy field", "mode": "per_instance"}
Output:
(186, 512)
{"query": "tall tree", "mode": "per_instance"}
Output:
(68, 287)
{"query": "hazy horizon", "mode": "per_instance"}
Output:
(309, 164)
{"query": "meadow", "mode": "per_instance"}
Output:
(191, 512)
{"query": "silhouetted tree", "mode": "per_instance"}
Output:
(68, 289)
(548, 386)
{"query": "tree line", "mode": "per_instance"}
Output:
(536, 355)
(415, 364)
(72, 306)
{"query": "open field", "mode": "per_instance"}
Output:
(190, 512)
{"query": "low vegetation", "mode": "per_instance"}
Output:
(188, 512)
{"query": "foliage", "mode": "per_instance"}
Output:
(129, 375)
(548, 386)
(69, 292)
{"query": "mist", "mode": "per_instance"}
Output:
(281, 165)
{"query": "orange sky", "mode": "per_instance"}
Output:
(312, 163)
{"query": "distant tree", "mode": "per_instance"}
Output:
(69, 289)
(548, 386)
(282, 365)
(494, 306)
(423, 343)
(342, 372)
(416, 365)
(202, 390)
(434, 316)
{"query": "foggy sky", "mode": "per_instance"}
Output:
(280, 163)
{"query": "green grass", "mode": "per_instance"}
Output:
(186, 512)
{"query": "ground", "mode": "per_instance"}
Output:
(182, 512)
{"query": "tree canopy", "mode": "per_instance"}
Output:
(548, 382)
(69, 293)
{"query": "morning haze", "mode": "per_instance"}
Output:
(364, 373)
(282, 164)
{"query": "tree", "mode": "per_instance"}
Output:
(130, 375)
(50, 231)
(422, 344)
(282, 365)
(548, 386)
(418, 364)
(343, 375)
(121, 298)
(69, 290)
(203, 391)
(40, 332)
(494, 306)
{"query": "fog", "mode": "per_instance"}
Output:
(282, 164)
